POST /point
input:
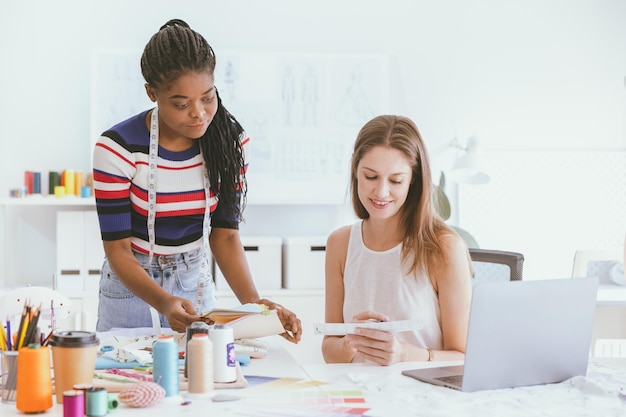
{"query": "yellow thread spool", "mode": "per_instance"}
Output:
(59, 191)
(68, 181)
(34, 383)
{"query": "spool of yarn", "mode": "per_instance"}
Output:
(200, 353)
(165, 365)
(54, 180)
(79, 180)
(34, 382)
(68, 181)
(224, 359)
(193, 328)
(59, 191)
(143, 394)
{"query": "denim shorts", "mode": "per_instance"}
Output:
(178, 274)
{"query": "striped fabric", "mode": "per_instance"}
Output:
(120, 168)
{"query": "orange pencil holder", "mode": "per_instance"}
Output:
(34, 381)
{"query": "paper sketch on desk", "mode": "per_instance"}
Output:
(248, 321)
(342, 329)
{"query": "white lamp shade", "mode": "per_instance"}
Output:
(467, 169)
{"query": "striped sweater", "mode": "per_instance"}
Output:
(120, 168)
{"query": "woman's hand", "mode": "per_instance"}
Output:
(291, 323)
(377, 346)
(180, 313)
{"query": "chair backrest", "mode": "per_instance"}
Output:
(496, 265)
(606, 264)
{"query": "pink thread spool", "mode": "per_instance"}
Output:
(73, 403)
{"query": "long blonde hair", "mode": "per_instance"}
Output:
(422, 226)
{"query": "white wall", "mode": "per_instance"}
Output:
(521, 75)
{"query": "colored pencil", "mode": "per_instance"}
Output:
(9, 344)
(47, 339)
(31, 330)
(3, 337)
(20, 328)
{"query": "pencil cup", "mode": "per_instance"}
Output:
(9, 376)
(34, 383)
(74, 359)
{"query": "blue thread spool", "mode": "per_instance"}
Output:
(165, 365)
(96, 402)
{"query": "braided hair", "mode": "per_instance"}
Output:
(175, 50)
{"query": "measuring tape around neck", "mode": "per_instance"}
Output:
(153, 154)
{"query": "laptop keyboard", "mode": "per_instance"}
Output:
(453, 379)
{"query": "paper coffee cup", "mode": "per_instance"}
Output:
(74, 359)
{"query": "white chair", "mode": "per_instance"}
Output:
(607, 265)
(609, 348)
(603, 263)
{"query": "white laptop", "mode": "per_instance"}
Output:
(523, 333)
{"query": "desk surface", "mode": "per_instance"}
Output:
(338, 389)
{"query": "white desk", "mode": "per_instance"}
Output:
(385, 392)
(391, 394)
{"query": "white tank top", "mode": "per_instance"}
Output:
(375, 281)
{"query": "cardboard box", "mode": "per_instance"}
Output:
(303, 262)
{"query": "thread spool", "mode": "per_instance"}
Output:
(165, 365)
(224, 360)
(68, 181)
(83, 387)
(85, 191)
(79, 180)
(34, 382)
(96, 402)
(200, 353)
(193, 328)
(73, 403)
(112, 402)
(59, 191)
(54, 180)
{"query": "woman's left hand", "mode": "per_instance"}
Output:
(377, 346)
(291, 323)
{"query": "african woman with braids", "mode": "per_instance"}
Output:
(164, 180)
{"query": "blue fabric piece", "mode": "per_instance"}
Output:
(109, 363)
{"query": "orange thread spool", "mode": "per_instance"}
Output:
(34, 383)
